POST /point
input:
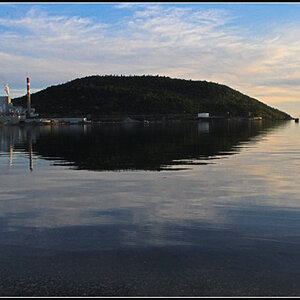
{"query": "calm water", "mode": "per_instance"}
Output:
(159, 209)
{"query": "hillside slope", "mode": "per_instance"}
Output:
(127, 95)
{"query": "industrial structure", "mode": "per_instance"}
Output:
(10, 114)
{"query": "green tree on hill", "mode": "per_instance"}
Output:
(125, 95)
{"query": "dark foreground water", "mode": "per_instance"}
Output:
(192, 209)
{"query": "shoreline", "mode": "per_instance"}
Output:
(133, 119)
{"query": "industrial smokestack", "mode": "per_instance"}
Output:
(7, 92)
(28, 97)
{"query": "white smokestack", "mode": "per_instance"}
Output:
(7, 89)
(7, 92)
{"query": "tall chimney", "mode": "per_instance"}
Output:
(28, 97)
(7, 92)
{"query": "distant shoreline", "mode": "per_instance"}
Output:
(130, 118)
(130, 121)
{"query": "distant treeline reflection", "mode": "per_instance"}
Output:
(103, 147)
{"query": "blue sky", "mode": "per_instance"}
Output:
(251, 47)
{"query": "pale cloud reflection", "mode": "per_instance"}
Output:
(56, 202)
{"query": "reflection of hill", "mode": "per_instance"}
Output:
(132, 146)
(152, 147)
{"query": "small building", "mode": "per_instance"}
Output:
(203, 115)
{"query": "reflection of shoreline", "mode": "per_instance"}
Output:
(153, 147)
(10, 163)
(10, 155)
(203, 127)
(15, 137)
(30, 153)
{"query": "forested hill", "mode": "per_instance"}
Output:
(133, 95)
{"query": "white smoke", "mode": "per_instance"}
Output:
(7, 89)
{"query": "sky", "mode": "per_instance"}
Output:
(251, 47)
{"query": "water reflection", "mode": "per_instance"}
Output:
(216, 205)
(20, 139)
(131, 146)
(236, 219)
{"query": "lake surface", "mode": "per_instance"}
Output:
(188, 208)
